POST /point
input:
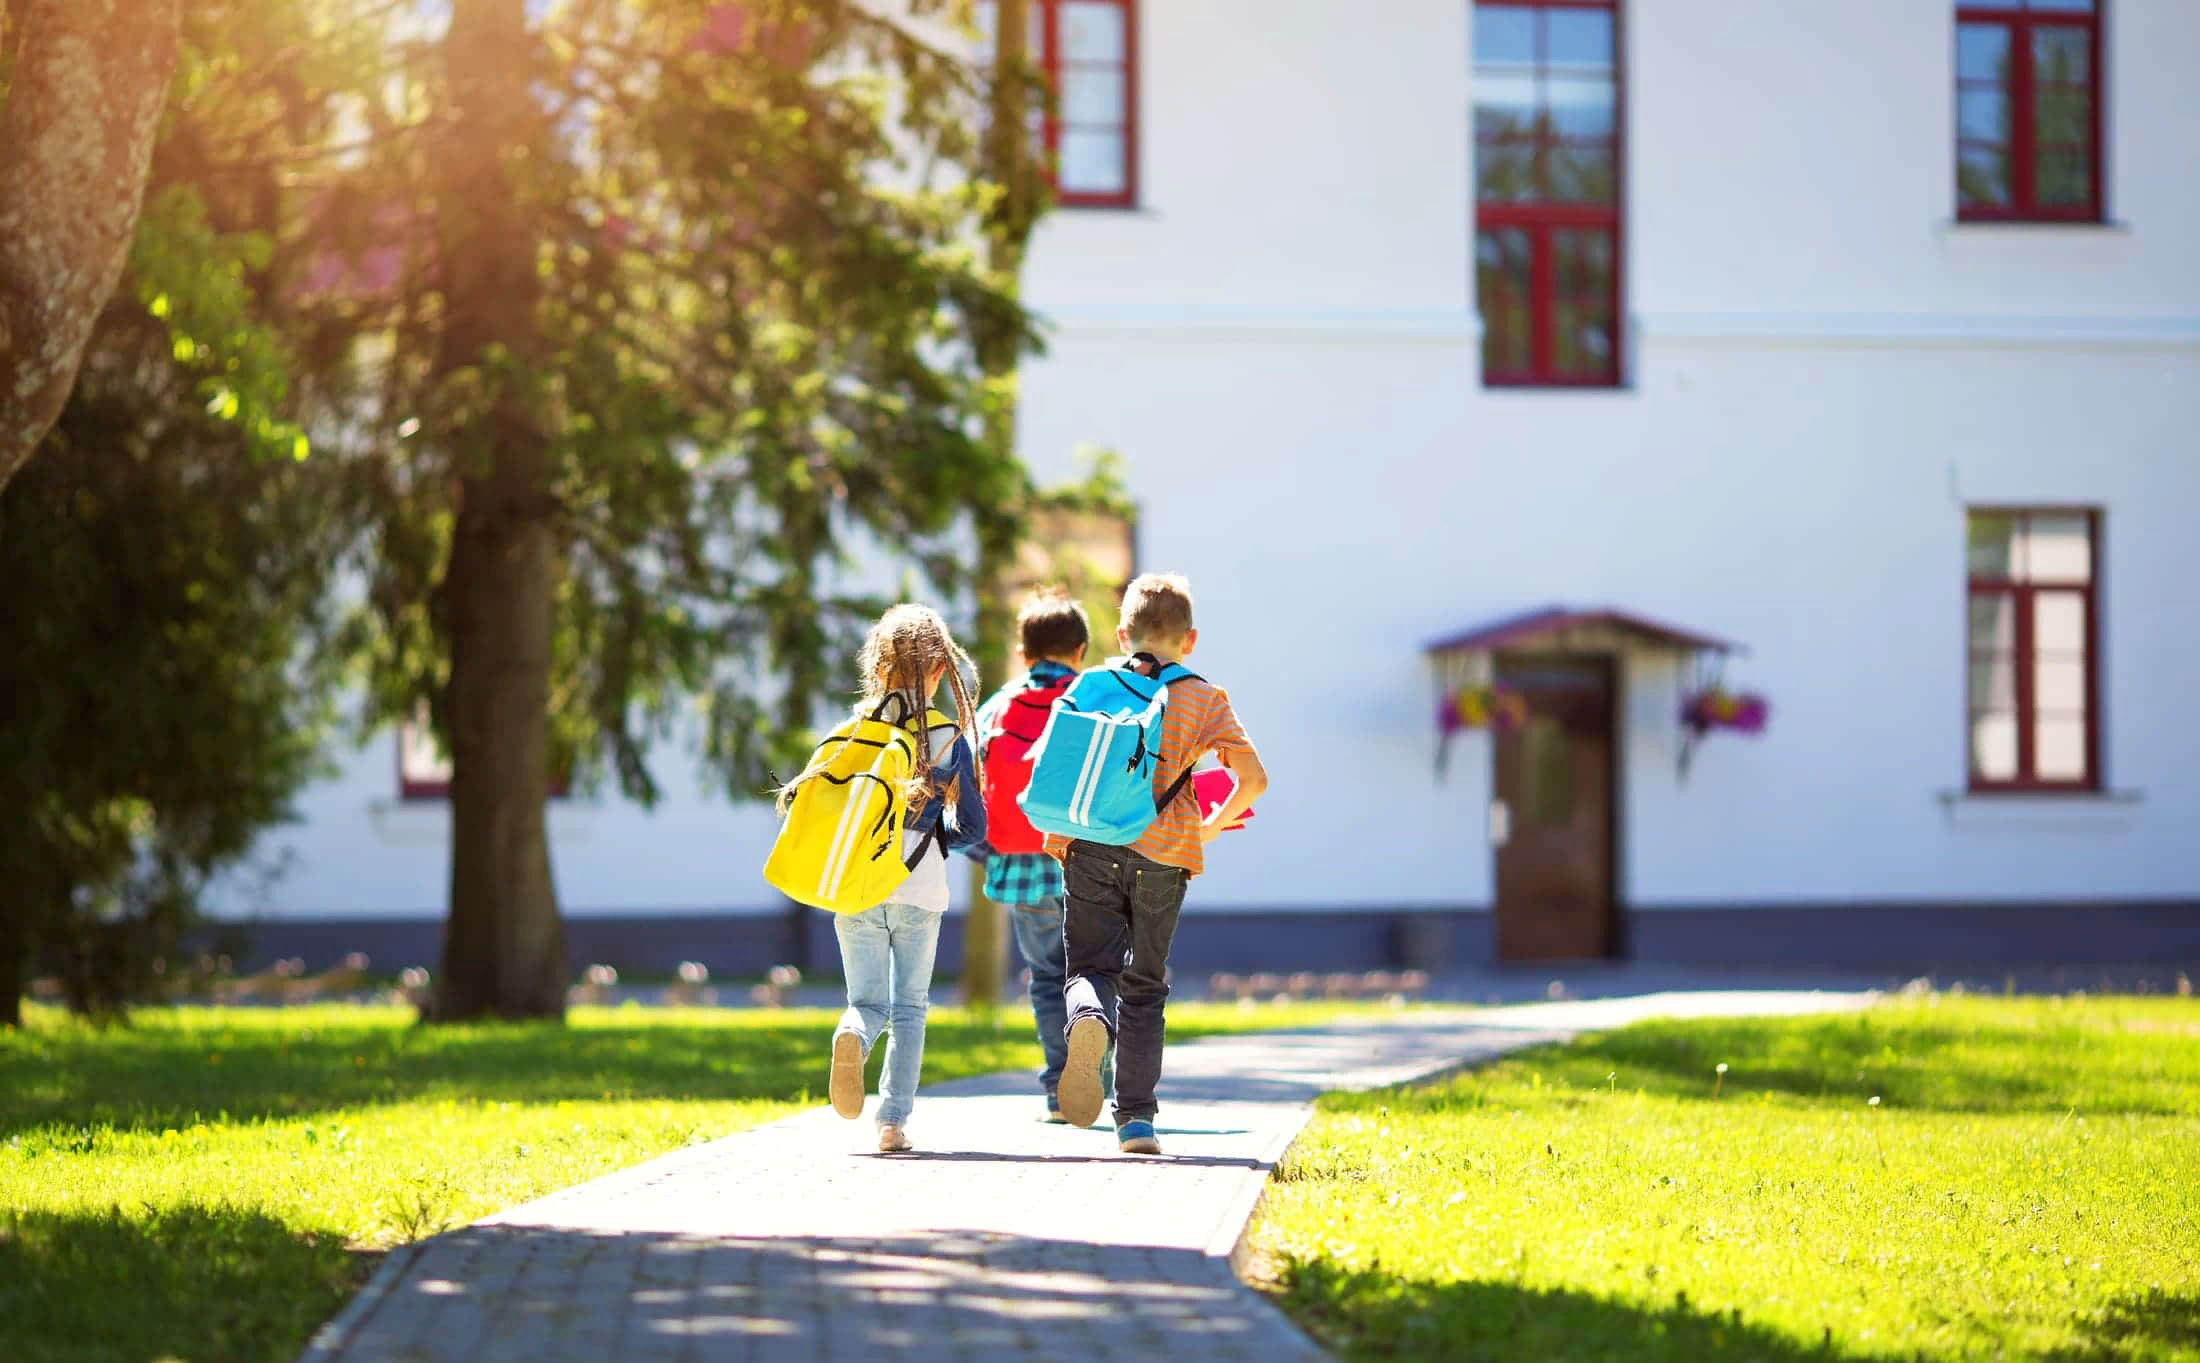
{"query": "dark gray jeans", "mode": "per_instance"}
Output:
(1121, 917)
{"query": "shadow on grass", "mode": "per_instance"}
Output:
(199, 1283)
(1961, 1065)
(2140, 1325)
(1368, 1314)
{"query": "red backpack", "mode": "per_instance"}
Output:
(1006, 752)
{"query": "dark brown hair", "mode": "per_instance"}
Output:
(1052, 625)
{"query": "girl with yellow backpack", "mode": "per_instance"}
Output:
(868, 825)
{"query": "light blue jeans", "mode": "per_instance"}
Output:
(886, 955)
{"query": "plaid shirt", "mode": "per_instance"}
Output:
(1020, 877)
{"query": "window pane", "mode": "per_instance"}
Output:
(1993, 684)
(1092, 97)
(1092, 161)
(1982, 53)
(1994, 746)
(1581, 262)
(2058, 624)
(1581, 338)
(1993, 536)
(1982, 177)
(1993, 626)
(1504, 103)
(1580, 106)
(1547, 773)
(2062, 177)
(2058, 548)
(1982, 116)
(2062, 116)
(1092, 32)
(2058, 748)
(1580, 172)
(1504, 170)
(1504, 34)
(1580, 39)
(2058, 686)
(1503, 263)
(2062, 56)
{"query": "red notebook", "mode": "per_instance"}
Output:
(1211, 788)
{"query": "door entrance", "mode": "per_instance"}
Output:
(1553, 817)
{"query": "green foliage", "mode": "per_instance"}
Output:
(168, 560)
(1941, 1179)
(753, 234)
(164, 587)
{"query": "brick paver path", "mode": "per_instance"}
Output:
(1001, 1239)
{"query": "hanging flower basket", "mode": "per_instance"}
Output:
(1491, 706)
(1715, 707)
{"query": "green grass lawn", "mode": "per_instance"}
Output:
(2026, 1186)
(209, 1185)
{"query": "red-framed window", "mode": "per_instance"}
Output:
(2035, 707)
(2028, 110)
(424, 769)
(1089, 52)
(1547, 153)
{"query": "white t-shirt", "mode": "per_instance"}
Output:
(926, 887)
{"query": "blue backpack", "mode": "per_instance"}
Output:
(1092, 769)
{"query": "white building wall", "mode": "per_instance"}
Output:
(1824, 368)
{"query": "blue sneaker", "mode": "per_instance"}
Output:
(1054, 1115)
(1137, 1138)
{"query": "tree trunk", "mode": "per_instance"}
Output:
(76, 136)
(1008, 157)
(14, 955)
(504, 945)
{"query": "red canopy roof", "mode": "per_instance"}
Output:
(1553, 622)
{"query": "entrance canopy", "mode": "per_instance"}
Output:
(1573, 629)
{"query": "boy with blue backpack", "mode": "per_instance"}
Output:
(1109, 788)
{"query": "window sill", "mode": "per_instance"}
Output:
(1949, 227)
(2032, 810)
(1559, 389)
(427, 822)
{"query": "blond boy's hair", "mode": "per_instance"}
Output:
(1157, 608)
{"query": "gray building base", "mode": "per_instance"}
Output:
(1894, 939)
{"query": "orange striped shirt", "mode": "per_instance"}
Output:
(1198, 721)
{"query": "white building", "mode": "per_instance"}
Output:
(1863, 335)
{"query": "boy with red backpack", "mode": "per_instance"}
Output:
(1053, 636)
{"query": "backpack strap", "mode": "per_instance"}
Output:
(1176, 788)
(936, 836)
(1148, 666)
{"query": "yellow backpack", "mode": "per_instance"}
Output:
(839, 847)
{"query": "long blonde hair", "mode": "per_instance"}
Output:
(899, 655)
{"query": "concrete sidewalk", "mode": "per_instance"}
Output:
(1000, 1240)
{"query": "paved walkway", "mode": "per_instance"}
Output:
(1002, 1240)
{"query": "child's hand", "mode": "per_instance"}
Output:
(1209, 830)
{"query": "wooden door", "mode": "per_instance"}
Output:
(1552, 820)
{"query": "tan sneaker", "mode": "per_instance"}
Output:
(846, 1088)
(892, 1140)
(1080, 1090)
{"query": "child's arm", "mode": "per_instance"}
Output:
(965, 820)
(1252, 783)
(1235, 751)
